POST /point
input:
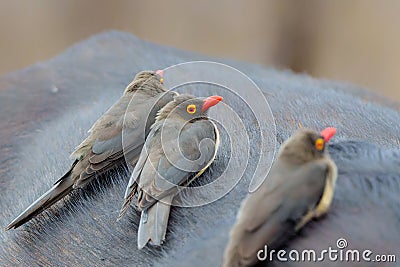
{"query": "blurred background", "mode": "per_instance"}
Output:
(356, 41)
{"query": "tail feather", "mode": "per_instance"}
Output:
(57, 192)
(153, 223)
(127, 203)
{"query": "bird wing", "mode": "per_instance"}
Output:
(107, 127)
(134, 179)
(270, 213)
(120, 132)
(171, 163)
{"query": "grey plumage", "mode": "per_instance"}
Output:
(104, 149)
(174, 151)
(87, 232)
(298, 188)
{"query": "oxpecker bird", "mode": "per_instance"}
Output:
(182, 144)
(132, 115)
(298, 188)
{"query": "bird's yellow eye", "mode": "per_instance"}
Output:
(319, 144)
(191, 109)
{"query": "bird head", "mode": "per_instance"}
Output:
(306, 145)
(147, 80)
(188, 107)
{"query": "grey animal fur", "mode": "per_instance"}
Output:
(40, 127)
